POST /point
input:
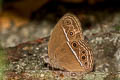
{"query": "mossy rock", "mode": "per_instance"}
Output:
(3, 63)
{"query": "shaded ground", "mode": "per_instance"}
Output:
(28, 59)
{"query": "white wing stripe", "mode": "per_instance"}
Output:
(75, 54)
(65, 34)
(71, 47)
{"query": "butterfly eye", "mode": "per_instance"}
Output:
(83, 52)
(71, 33)
(74, 44)
(83, 57)
(67, 22)
(85, 63)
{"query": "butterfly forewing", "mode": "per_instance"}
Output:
(67, 48)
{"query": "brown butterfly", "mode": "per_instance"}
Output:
(67, 49)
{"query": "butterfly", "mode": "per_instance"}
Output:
(67, 48)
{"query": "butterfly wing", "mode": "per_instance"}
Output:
(67, 48)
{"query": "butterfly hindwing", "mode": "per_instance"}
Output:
(67, 48)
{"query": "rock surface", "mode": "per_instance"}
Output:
(27, 54)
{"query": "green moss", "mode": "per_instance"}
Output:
(112, 77)
(117, 28)
(3, 63)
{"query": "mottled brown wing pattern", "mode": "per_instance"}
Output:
(73, 29)
(86, 55)
(67, 47)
